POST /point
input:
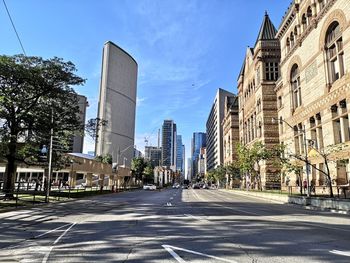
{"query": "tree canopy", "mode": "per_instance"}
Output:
(36, 95)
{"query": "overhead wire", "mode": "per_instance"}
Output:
(14, 27)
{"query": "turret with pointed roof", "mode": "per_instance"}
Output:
(267, 30)
(257, 98)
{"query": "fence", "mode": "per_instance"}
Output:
(36, 193)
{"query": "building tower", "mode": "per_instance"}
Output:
(169, 144)
(257, 98)
(179, 154)
(117, 104)
(214, 130)
(199, 140)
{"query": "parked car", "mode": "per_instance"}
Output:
(149, 187)
(196, 186)
(185, 186)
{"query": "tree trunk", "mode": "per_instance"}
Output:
(11, 169)
(329, 179)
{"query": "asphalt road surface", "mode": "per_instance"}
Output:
(173, 225)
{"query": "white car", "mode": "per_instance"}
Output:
(149, 187)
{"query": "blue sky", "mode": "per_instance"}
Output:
(185, 49)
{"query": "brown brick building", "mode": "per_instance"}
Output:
(257, 97)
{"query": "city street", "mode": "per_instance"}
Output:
(173, 225)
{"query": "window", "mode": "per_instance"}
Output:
(295, 32)
(304, 22)
(309, 15)
(279, 105)
(271, 71)
(340, 121)
(259, 129)
(334, 52)
(316, 131)
(297, 145)
(296, 88)
(288, 44)
(258, 105)
(281, 125)
(291, 39)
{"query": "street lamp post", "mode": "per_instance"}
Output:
(303, 130)
(50, 161)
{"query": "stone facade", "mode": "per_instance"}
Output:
(257, 98)
(230, 129)
(230, 126)
(313, 93)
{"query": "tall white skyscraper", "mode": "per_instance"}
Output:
(117, 104)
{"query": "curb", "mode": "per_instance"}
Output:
(306, 207)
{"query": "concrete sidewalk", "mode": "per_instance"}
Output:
(334, 205)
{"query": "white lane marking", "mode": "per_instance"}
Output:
(46, 257)
(53, 230)
(198, 197)
(171, 198)
(175, 256)
(194, 217)
(170, 249)
(342, 253)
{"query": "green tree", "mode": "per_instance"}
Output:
(104, 158)
(148, 175)
(249, 159)
(220, 175)
(35, 97)
(233, 173)
(138, 166)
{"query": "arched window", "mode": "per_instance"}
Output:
(309, 15)
(288, 44)
(291, 39)
(295, 32)
(259, 129)
(296, 88)
(304, 22)
(335, 53)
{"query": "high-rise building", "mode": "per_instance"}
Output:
(137, 153)
(183, 158)
(257, 98)
(189, 168)
(179, 154)
(215, 131)
(199, 140)
(78, 139)
(169, 144)
(153, 155)
(117, 104)
(202, 162)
